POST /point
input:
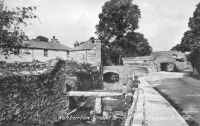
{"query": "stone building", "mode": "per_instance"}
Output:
(160, 61)
(88, 52)
(170, 60)
(35, 50)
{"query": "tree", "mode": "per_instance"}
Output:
(191, 38)
(42, 38)
(116, 30)
(177, 48)
(132, 45)
(194, 22)
(76, 44)
(118, 17)
(10, 28)
(194, 58)
(92, 39)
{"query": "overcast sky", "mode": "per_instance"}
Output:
(163, 22)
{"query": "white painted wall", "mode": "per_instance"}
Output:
(35, 54)
(86, 56)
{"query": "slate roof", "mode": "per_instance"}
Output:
(167, 56)
(32, 44)
(85, 46)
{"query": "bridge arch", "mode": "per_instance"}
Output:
(114, 69)
(111, 77)
(123, 72)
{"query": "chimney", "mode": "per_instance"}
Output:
(54, 40)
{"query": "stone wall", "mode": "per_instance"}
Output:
(24, 66)
(90, 56)
(153, 67)
(124, 73)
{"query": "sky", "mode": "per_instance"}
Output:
(163, 22)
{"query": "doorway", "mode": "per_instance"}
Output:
(164, 66)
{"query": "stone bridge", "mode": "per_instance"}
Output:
(123, 72)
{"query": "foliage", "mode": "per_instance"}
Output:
(105, 56)
(194, 22)
(176, 47)
(194, 58)
(117, 18)
(118, 21)
(76, 44)
(19, 67)
(131, 45)
(10, 27)
(38, 99)
(91, 39)
(42, 38)
(88, 77)
(27, 99)
(191, 38)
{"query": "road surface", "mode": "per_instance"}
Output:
(183, 90)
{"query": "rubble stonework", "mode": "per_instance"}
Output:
(123, 72)
(88, 52)
(160, 61)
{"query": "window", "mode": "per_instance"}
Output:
(45, 53)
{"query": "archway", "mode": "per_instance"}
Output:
(111, 77)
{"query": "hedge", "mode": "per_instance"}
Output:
(36, 100)
(23, 66)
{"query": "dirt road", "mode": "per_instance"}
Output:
(183, 90)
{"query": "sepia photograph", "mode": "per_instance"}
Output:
(99, 63)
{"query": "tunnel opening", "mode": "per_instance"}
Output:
(164, 66)
(111, 77)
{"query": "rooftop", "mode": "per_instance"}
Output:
(85, 46)
(33, 44)
(168, 56)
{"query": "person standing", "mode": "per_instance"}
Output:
(136, 82)
(129, 88)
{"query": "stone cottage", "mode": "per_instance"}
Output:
(88, 52)
(35, 50)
